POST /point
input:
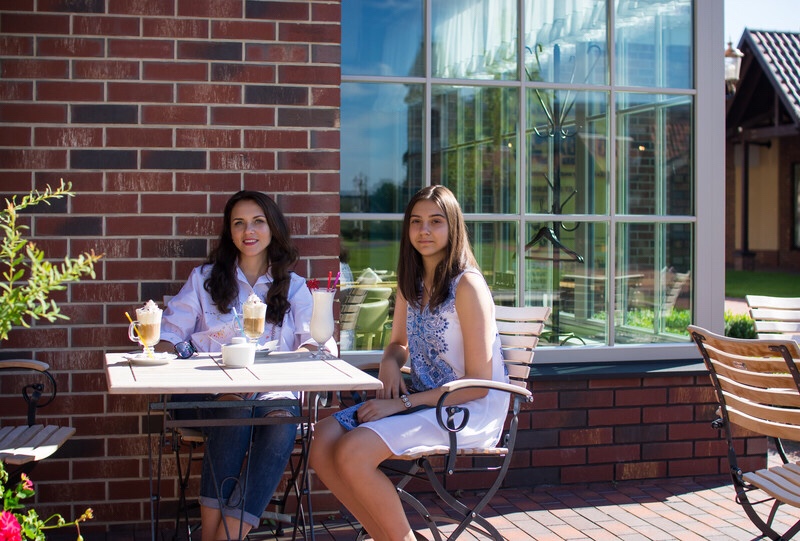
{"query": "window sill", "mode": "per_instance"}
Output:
(584, 370)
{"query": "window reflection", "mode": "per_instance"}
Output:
(654, 154)
(654, 43)
(568, 273)
(474, 39)
(568, 159)
(657, 304)
(369, 249)
(382, 146)
(382, 38)
(565, 42)
(474, 146)
(559, 213)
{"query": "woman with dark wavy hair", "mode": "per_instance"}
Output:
(254, 256)
(444, 327)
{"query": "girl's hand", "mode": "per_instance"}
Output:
(375, 409)
(392, 378)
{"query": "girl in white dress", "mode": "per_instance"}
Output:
(444, 324)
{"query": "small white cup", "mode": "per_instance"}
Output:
(239, 352)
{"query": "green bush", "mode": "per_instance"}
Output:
(675, 322)
(739, 326)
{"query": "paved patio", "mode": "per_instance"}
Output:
(686, 509)
(682, 509)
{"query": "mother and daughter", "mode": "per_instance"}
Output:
(443, 325)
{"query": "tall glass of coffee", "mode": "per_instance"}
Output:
(146, 329)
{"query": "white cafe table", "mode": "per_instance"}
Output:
(205, 374)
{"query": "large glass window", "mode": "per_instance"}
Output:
(572, 156)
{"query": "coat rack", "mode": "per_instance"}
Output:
(556, 130)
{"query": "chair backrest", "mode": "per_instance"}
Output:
(672, 284)
(377, 293)
(519, 328)
(372, 316)
(757, 382)
(352, 298)
(775, 317)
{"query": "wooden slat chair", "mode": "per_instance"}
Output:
(351, 300)
(519, 329)
(22, 446)
(757, 384)
(775, 317)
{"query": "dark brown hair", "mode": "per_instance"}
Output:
(281, 256)
(458, 255)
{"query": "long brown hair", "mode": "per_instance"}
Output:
(458, 254)
(281, 255)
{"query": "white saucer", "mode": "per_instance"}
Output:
(143, 359)
(267, 347)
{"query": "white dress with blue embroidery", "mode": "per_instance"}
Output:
(436, 352)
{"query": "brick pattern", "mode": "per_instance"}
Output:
(156, 111)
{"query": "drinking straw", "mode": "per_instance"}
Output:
(336, 282)
(330, 275)
(238, 321)
(136, 329)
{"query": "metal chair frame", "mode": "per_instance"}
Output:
(519, 329)
(23, 446)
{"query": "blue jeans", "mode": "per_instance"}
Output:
(224, 463)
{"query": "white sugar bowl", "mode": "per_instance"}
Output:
(238, 353)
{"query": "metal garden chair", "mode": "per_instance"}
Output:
(519, 329)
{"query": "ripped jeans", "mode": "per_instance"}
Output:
(224, 463)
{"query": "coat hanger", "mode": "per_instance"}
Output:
(548, 234)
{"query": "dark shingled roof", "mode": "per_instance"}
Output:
(778, 55)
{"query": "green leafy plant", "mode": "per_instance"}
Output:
(17, 523)
(739, 326)
(28, 278)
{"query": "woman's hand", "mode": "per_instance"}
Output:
(378, 408)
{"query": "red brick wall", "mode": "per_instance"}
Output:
(156, 111)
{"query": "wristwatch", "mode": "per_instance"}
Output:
(406, 401)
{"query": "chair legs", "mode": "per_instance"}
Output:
(764, 520)
(296, 485)
(464, 517)
(279, 516)
(192, 439)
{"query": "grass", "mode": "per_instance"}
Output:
(776, 284)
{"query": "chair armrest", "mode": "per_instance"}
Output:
(43, 387)
(26, 364)
(446, 415)
(486, 384)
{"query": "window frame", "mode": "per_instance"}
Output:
(709, 187)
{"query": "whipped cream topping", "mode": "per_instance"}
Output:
(253, 307)
(253, 300)
(149, 313)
